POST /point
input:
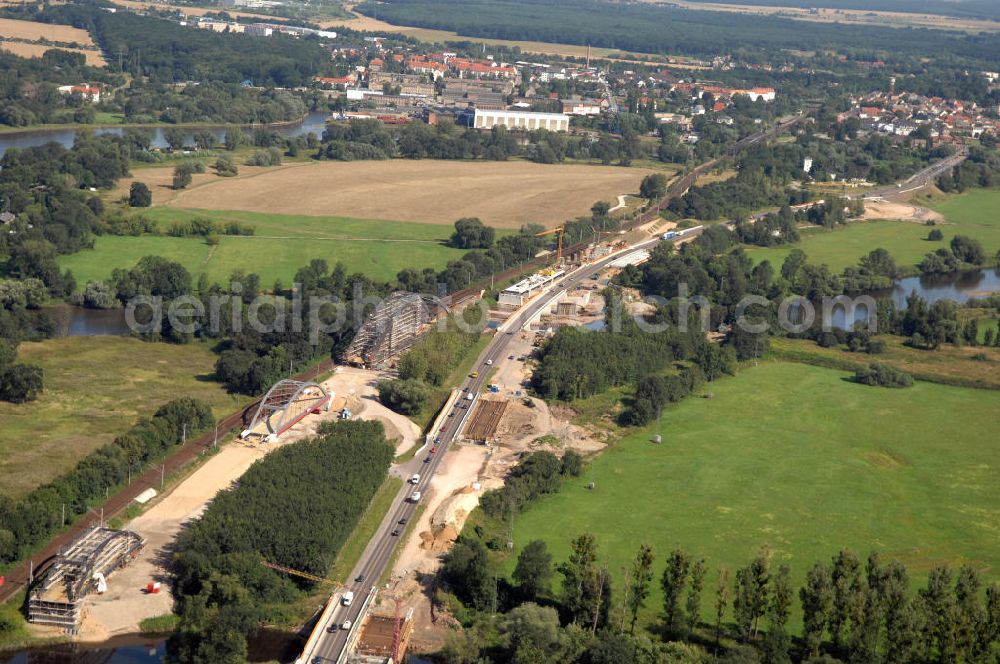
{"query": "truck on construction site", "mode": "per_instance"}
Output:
(673, 235)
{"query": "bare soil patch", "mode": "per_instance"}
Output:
(900, 211)
(502, 194)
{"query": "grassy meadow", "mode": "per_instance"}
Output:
(798, 459)
(282, 244)
(95, 388)
(973, 213)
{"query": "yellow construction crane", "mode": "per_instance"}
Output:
(295, 572)
(558, 229)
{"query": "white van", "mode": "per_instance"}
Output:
(347, 598)
(415, 479)
(415, 497)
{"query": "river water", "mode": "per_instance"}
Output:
(960, 287)
(314, 123)
(266, 646)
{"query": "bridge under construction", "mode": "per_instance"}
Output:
(284, 405)
(392, 328)
(78, 571)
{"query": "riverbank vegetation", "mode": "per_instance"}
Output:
(223, 590)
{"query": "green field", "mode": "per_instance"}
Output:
(973, 214)
(282, 244)
(796, 458)
(95, 388)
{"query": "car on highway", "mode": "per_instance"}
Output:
(427, 460)
(402, 521)
(437, 440)
(332, 628)
(434, 449)
(474, 374)
(395, 532)
(489, 363)
(415, 479)
(346, 625)
(510, 357)
(359, 578)
(451, 414)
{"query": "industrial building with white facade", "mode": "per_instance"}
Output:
(528, 120)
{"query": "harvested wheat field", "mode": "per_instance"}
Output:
(10, 27)
(502, 194)
(24, 50)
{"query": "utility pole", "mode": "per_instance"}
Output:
(163, 468)
(215, 443)
(64, 514)
(184, 433)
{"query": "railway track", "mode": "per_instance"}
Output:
(18, 578)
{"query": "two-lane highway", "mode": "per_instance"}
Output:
(377, 556)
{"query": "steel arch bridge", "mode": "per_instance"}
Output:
(393, 327)
(285, 404)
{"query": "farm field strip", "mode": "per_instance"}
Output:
(502, 194)
(14, 28)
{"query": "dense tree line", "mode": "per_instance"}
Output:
(668, 30)
(20, 319)
(578, 363)
(294, 508)
(980, 169)
(963, 251)
(428, 364)
(28, 88)
(852, 610)
(969, 9)
(29, 521)
(167, 52)
(46, 189)
(536, 475)
(370, 139)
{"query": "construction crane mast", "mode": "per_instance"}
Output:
(559, 243)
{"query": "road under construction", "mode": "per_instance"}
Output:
(326, 645)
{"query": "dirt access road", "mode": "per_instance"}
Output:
(125, 605)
